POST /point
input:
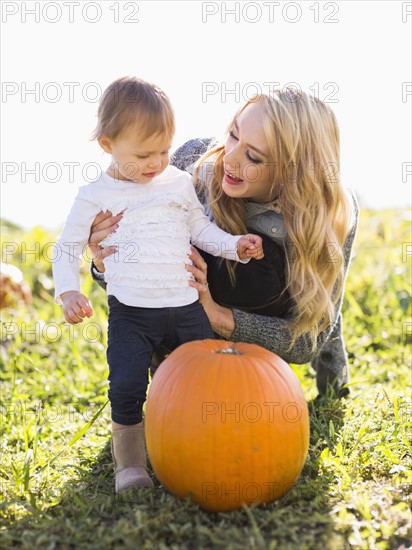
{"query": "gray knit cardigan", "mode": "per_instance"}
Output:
(330, 358)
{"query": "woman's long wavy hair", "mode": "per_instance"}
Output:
(303, 138)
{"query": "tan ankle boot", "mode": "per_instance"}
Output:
(129, 455)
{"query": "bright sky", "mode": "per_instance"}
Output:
(209, 57)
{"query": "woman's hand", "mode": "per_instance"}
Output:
(221, 318)
(104, 224)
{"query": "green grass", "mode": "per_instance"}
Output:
(58, 488)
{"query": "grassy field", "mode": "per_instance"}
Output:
(57, 485)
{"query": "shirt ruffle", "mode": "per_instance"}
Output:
(149, 280)
(153, 232)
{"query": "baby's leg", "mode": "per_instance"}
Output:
(191, 323)
(160, 354)
(133, 334)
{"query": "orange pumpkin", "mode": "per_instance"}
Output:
(226, 424)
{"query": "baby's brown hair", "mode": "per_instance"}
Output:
(130, 101)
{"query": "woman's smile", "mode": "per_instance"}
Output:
(231, 179)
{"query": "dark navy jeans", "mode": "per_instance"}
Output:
(134, 334)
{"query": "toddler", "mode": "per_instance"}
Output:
(150, 299)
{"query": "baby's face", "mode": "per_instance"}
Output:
(134, 159)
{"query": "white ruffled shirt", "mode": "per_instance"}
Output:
(153, 239)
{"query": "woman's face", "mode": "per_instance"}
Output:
(249, 168)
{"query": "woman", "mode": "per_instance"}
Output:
(276, 175)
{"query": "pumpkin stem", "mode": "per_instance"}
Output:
(231, 351)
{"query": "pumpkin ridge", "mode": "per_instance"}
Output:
(262, 391)
(214, 435)
(189, 375)
(251, 380)
(159, 418)
(289, 390)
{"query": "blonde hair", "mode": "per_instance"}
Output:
(130, 101)
(303, 138)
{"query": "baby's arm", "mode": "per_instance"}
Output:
(70, 247)
(209, 237)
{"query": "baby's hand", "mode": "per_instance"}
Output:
(250, 246)
(75, 307)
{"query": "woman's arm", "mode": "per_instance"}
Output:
(269, 332)
(240, 326)
(190, 152)
(272, 332)
(221, 318)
